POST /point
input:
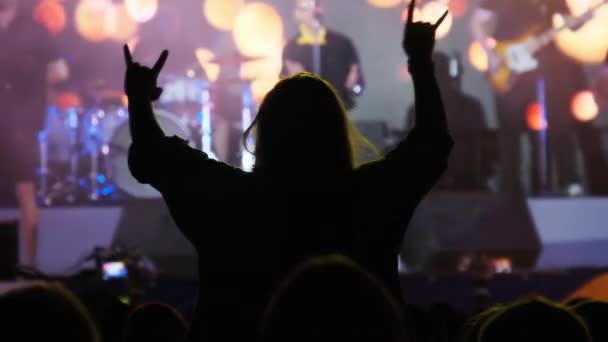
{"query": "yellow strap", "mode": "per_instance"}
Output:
(308, 38)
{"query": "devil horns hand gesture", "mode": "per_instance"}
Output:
(419, 37)
(141, 81)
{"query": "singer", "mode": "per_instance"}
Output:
(324, 52)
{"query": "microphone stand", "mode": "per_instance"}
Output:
(316, 47)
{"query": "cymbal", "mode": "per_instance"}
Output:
(233, 59)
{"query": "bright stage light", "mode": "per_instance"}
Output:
(431, 12)
(583, 106)
(258, 30)
(384, 3)
(417, 14)
(458, 8)
(90, 19)
(51, 14)
(211, 69)
(141, 10)
(534, 117)
(478, 57)
(261, 87)
(589, 43)
(119, 25)
(222, 14)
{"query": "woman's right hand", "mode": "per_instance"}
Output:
(141, 81)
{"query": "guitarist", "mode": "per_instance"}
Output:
(506, 21)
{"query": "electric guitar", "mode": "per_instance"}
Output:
(517, 56)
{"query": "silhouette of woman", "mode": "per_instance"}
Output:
(305, 196)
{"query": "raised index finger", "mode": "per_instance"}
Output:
(127, 53)
(438, 23)
(410, 12)
(160, 63)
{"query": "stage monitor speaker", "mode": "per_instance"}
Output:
(9, 249)
(148, 226)
(449, 226)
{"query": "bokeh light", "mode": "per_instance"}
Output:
(261, 87)
(211, 69)
(222, 14)
(458, 8)
(67, 99)
(417, 14)
(51, 14)
(478, 57)
(431, 12)
(534, 117)
(583, 106)
(119, 24)
(384, 3)
(90, 19)
(258, 30)
(141, 10)
(589, 43)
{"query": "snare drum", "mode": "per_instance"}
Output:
(119, 147)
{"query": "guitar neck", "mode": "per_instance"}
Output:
(547, 37)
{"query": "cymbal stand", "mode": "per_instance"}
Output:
(247, 159)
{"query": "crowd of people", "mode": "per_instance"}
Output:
(314, 256)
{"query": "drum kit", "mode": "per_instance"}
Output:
(84, 149)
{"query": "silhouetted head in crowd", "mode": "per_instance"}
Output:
(45, 312)
(108, 312)
(329, 299)
(534, 320)
(595, 314)
(302, 125)
(155, 322)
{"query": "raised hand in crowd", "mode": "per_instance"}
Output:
(419, 37)
(141, 81)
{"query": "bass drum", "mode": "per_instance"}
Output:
(119, 148)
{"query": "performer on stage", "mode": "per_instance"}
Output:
(27, 64)
(337, 59)
(562, 78)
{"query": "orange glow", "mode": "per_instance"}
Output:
(534, 117)
(51, 14)
(583, 106)
(67, 99)
(141, 10)
(119, 25)
(458, 8)
(589, 43)
(261, 87)
(258, 30)
(90, 19)
(269, 67)
(222, 14)
(417, 14)
(211, 69)
(384, 3)
(478, 57)
(432, 11)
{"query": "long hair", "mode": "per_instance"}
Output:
(302, 124)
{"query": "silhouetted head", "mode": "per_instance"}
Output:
(595, 314)
(534, 319)
(307, 11)
(331, 299)
(302, 126)
(155, 322)
(45, 312)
